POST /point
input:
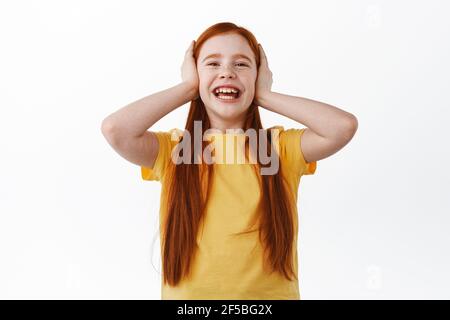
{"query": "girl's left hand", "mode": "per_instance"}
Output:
(264, 81)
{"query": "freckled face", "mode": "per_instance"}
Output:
(230, 67)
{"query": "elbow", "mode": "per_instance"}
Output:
(353, 123)
(108, 130)
(106, 127)
(350, 127)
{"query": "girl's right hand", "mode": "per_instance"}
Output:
(189, 73)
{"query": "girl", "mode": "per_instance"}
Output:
(228, 231)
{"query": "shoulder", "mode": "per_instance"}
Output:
(288, 145)
(171, 134)
(286, 137)
(169, 137)
(167, 140)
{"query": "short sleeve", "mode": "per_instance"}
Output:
(291, 153)
(167, 141)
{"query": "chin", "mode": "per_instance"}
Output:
(225, 111)
(227, 105)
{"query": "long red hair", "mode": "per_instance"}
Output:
(189, 185)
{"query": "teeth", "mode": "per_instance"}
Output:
(226, 90)
(226, 98)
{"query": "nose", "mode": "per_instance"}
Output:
(226, 72)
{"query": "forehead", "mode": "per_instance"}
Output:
(227, 45)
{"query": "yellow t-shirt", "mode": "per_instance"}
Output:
(227, 266)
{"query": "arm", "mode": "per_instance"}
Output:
(126, 129)
(328, 128)
(134, 119)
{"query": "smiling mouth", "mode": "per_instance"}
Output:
(228, 97)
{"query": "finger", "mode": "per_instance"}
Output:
(191, 46)
(263, 55)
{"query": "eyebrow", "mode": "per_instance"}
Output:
(219, 55)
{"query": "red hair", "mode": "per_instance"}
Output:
(189, 185)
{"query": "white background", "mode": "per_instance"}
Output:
(77, 221)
